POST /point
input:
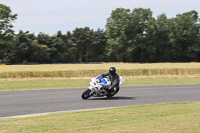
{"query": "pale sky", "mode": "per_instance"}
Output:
(50, 16)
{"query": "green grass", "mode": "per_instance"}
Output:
(43, 84)
(27, 84)
(160, 118)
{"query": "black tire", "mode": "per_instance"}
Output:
(86, 94)
(110, 93)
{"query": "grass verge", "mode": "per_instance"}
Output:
(159, 118)
(27, 84)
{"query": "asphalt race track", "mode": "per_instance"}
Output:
(14, 103)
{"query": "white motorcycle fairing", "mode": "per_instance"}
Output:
(96, 89)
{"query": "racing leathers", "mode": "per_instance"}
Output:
(114, 79)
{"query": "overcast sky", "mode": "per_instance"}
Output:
(50, 16)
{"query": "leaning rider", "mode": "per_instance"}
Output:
(113, 77)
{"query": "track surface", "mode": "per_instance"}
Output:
(13, 103)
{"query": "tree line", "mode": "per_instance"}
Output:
(129, 36)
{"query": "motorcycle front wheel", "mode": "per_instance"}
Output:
(86, 94)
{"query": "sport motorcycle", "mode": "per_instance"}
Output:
(98, 85)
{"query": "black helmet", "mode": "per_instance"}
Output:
(112, 70)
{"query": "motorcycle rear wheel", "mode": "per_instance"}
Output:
(86, 94)
(110, 94)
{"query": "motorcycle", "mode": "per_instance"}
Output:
(97, 85)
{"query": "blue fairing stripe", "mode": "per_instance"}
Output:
(104, 81)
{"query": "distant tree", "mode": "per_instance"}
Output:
(138, 46)
(157, 34)
(59, 34)
(125, 32)
(184, 36)
(39, 53)
(98, 54)
(71, 47)
(57, 49)
(6, 32)
(116, 33)
(22, 52)
(44, 39)
(84, 41)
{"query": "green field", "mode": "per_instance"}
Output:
(49, 76)
(90, 70)
(160, 118)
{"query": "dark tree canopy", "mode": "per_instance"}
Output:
(130, 36)
(6, 33)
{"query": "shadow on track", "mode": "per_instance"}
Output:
(113, 98)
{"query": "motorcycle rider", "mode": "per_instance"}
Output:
(113, 77)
